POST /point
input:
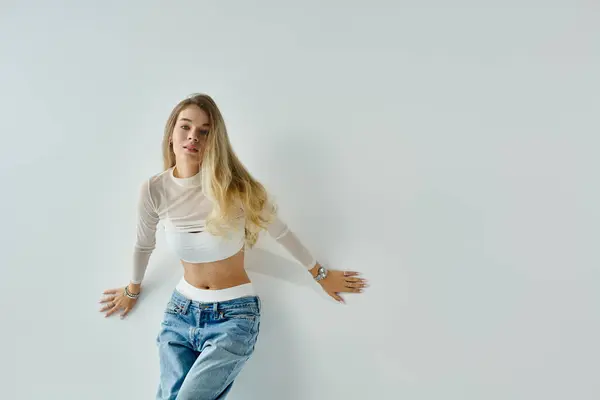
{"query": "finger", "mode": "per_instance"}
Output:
(110, 291)
(124, 314)
(107, 298)
(352, 289)
(337, 297)
(110, 305)
(349, 279)
(356, 284)
(113, 310)
(351, 273)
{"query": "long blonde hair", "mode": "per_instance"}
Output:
(225, 180)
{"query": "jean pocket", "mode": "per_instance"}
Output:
(247, 313)
(174, 308)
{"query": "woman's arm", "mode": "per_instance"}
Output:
(145, 236)
(335, 282)
(280, 231)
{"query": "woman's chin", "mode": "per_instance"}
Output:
(190, 155)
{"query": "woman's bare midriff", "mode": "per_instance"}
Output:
(217, 275)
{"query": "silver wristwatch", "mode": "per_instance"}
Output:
(322, 274)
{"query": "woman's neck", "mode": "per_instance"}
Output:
(186, 170)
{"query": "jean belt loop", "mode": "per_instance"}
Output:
(186, 305)
(215, 307)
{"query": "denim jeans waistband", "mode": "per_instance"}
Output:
(184, 303)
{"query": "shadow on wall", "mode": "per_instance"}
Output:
(266, 263)
(275, 370)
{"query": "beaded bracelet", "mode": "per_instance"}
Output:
(131, 295)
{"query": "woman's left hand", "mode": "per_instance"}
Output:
(338, 282)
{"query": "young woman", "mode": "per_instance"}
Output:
(212, 209)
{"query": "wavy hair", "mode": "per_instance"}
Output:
(225, 180)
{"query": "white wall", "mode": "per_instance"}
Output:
(447, 151)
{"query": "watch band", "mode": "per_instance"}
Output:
(322, 274)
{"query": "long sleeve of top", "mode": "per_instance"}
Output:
(280, 231)
(145, 243)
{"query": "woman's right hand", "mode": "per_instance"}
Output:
(116, 300)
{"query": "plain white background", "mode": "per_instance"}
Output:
(446, 150)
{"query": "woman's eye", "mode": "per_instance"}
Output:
(185, 127)
(204, 132)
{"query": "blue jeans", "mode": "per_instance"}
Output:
(203, 346)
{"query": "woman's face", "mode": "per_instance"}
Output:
(190, 133)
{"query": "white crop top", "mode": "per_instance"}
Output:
(182, 207)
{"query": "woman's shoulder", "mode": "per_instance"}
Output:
(154, 184)
(159, 178)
